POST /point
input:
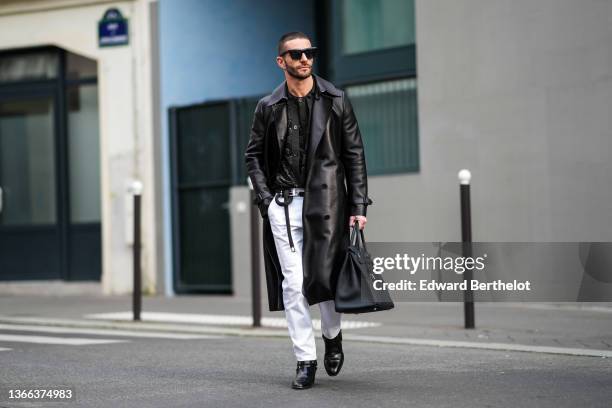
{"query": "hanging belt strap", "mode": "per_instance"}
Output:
(287, 200)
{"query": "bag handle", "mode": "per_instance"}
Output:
(355, 231)
(352, 241)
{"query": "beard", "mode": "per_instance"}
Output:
(297, 74)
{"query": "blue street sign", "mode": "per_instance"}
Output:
(112, 29)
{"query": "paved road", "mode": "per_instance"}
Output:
(232, 371)
(569, 325)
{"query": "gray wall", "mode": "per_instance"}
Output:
(519, 92)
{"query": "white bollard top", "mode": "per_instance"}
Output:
(464, 176)
(136, 187)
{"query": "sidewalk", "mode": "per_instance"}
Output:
(562, 328)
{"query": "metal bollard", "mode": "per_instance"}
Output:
(136, 189)
(255, 272)
(466, 237)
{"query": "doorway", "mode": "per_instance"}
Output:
(49, 166)
(201, 140)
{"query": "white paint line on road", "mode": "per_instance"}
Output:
(72, 341)
(252, 332)
(219, 320)
(144, 326)
(488, 346)
(107, 332)
(4, 349)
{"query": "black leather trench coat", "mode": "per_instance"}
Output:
(336, 186)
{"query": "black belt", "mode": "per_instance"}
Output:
(288, 195)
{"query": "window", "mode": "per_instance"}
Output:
(84, 152)
(387, 116)
(369, 25)
(29, 66)
(372, 55)
(79, 67)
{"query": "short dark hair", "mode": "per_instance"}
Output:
(290, 36)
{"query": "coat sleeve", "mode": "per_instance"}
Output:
(353, 159)
(254, 160)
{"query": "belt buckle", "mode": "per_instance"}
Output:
(296, 191)
(293, 191)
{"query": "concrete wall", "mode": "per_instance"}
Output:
(214, 50)
(519, 92)
(124, 85)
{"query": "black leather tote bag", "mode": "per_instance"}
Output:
(355, 291)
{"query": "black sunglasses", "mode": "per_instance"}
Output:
(297, 54)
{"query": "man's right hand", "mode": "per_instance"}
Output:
(263, 206)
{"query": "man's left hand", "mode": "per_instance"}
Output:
(360, 218)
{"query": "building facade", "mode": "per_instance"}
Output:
(517, 92)
(77, 127)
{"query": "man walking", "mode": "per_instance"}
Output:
(304, 146)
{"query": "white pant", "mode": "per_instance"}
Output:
(297, 310)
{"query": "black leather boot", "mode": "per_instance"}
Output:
(334, 357)
(304, 374)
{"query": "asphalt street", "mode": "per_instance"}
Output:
(235, 371)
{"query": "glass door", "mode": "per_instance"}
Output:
(29, 233)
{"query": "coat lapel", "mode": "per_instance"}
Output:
(280, 119)
(320, 114)
(323, 104)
